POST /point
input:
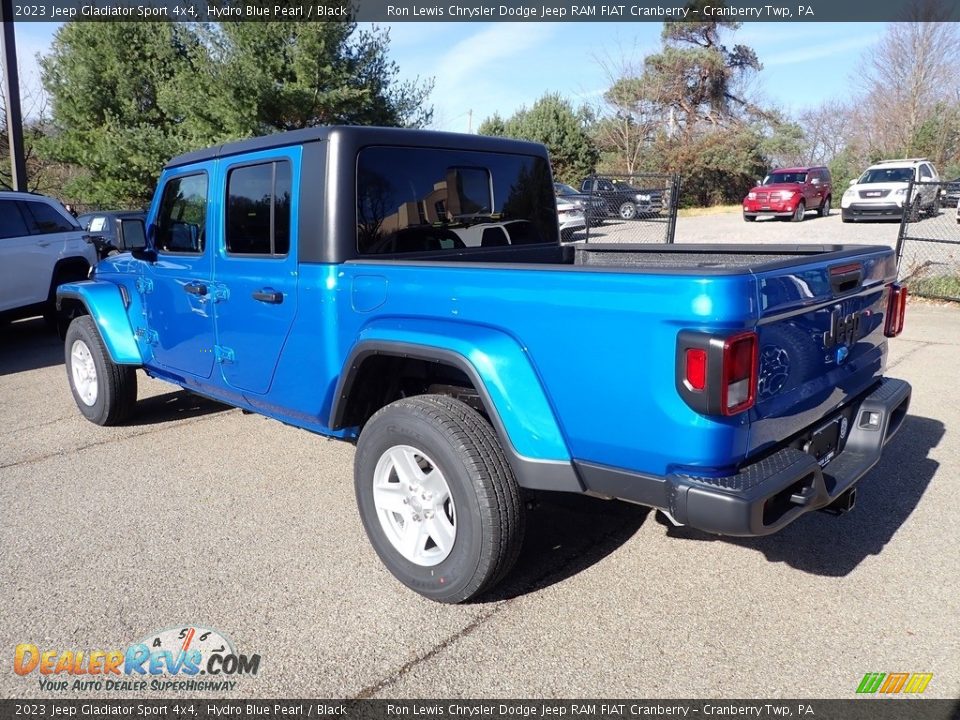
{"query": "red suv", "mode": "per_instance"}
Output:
(789, 193)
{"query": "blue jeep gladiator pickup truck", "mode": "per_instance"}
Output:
(407, 291)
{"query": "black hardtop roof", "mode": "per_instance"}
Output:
(361, 136)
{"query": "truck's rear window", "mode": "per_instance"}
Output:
(428, 199)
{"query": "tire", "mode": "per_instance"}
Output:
(799, 212)
(935, 207)
(824, 210)
(914, 210)
(105, 392)
(627, 210)
(469, 520)
(749, 218)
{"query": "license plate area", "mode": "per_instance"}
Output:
(824, 444)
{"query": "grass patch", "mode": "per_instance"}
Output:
(712, 210)
(943, 286)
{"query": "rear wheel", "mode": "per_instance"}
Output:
(825, 207)
(105, 392)
(799, 212)
(437, 497)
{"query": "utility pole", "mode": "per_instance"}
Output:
(469, 121)
(11, 93)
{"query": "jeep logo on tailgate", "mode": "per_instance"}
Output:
(844, 329)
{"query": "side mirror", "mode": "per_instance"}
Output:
(815, 181)
(131, 234)
(853, 182)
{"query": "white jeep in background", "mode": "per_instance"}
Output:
(41, 247)
(881, 192)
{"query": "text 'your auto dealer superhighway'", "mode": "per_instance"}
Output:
(588, 11)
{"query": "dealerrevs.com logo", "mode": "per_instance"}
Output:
(894, 683)
(188, 658)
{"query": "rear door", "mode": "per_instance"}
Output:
(256, 269)
(19, 259)
(50, 232)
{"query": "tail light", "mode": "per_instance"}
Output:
(738, 388)
(896, 309)
(717, 374)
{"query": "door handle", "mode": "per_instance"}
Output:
(195, 288)
(268, 295)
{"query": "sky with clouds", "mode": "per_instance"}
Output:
(483, 68)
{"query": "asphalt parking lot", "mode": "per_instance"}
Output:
(198, 514)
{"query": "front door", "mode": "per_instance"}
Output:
(256, 266)
(176, 290)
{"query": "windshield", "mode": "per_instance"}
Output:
(776, 178)
(886, 175)
(562, 189)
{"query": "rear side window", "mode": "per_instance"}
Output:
(431, 199)
(11, 221)
(258, 209)
(182, 217)
(44, 219)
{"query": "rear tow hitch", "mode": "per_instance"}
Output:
(842, 504)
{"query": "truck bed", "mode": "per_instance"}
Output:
(682, 259)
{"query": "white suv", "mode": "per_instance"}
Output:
(41, 246)
(881, 192)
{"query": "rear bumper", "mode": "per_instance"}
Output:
(767, 495)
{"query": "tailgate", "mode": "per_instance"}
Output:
(821, 335)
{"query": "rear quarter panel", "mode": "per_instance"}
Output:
(601, 345)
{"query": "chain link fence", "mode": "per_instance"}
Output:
(630, 208)
(928, 246)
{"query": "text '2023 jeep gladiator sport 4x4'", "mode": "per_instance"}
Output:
(407, 290)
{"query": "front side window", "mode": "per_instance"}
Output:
(258, 209)
(431, 199)
(925, 172)
(44, 219)
(182, 218)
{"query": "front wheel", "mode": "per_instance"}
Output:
(628, 211)
(800, 212)
(437, 497)
(914, 213)
(105, 392)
